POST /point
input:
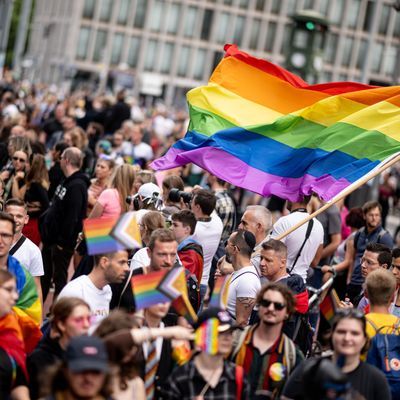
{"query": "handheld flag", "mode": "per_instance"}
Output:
(145, 289)
(98, 235)
(219, 297)
(329, 305)
(206, 336)
(126, 231)
(263, 128)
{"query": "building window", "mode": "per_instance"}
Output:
(183, 63)
(156, 16)
(243, 3)
(123, 13)
(83, 42)
(347, 50)
(260, 4)
(200, 63)
(228, 2)
(362, 54)
(99, 45)
(396, 32)
(173, 19)
(376, 57)
(276, 6)
(330, 48)
(291, 7)
(88, 9)
(218, 55)
(140, 15)
(369, 11)
(384, 21)
(133, 53)
(150, 55)
(353, 13)
(255, 33)
(389, 61)
(190, 21)
(269, 43)
(167, 57)
(324, 7)
(238, 32)
(223, 27)
(105, 10)
(116, 50)
(207, 24)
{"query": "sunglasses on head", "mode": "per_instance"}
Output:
(19, 159)
(350, 312)
(266, 303)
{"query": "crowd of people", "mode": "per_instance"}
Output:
(69, 324)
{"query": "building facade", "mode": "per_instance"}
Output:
(162, 48)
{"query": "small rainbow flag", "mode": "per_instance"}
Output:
(219, 297)
(145, 290)
(98, 235)
(206, 336)
(127, 232)
(183, 307)
(173, 284)
(329, 305)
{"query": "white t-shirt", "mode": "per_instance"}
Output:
(295, 239)
(208, 234)
(140, 259)
(30, 256)
(142, 150)
(98, 299)
(244, 283)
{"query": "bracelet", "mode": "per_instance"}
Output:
(332, 270)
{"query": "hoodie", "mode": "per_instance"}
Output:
(63, 221)
(190, 253)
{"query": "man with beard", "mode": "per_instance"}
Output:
(245, 282)
(373, 232)
(267, 355)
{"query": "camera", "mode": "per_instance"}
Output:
(129, 199)
(175, 195)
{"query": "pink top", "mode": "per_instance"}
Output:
(109, 199)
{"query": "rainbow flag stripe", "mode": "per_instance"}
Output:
(263, 128)
(145, 290)
(98, 235)
(219, 297)
(329, 305)
(206, 336)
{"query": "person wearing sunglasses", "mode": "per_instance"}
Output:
(267, 355)
(17, 173)
(70, 317)
(349, 341)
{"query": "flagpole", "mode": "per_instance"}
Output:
(342, 195)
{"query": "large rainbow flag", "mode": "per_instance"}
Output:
(263, 128)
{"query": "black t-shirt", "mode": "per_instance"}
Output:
(365, 379)
(11, 375)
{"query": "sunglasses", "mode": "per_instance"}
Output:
(266, 303)
(350, 312)
(81, 320)
(19, 159)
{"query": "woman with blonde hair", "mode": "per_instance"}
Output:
(111, 202)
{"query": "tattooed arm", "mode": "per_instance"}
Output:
(244, 306)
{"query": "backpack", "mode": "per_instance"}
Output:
(381, 233)
(384, 353)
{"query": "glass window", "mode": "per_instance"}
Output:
(156, 17)
(336, 15)
(324, 7)
(190, 21)
(83, 42)
(352, 13)
(200, 63)
(117, 46)
(207, 24)
(173, 20)
(369, 11)
(166, 59)
(105, 10)
(276, 6)
(396, 32)
(291, 7)
(286, 39)
(140, 15)
(222, 27)
(269, 43)
(150, 55)
(347, 50)
(123, 12)
(238, 32)
(183, 63)
(88, 9)
(301, 38)
(99, 45)
(376, 55)
(308, 4)
(362, 54)
(133, 52)
(228, 2)
(260, 4)
(218, 55)
(243, 3)
(330, 49)
(255, 33)
(384, 21)
(389, 61)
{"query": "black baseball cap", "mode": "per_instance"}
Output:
(86, 353)
(225, 321)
